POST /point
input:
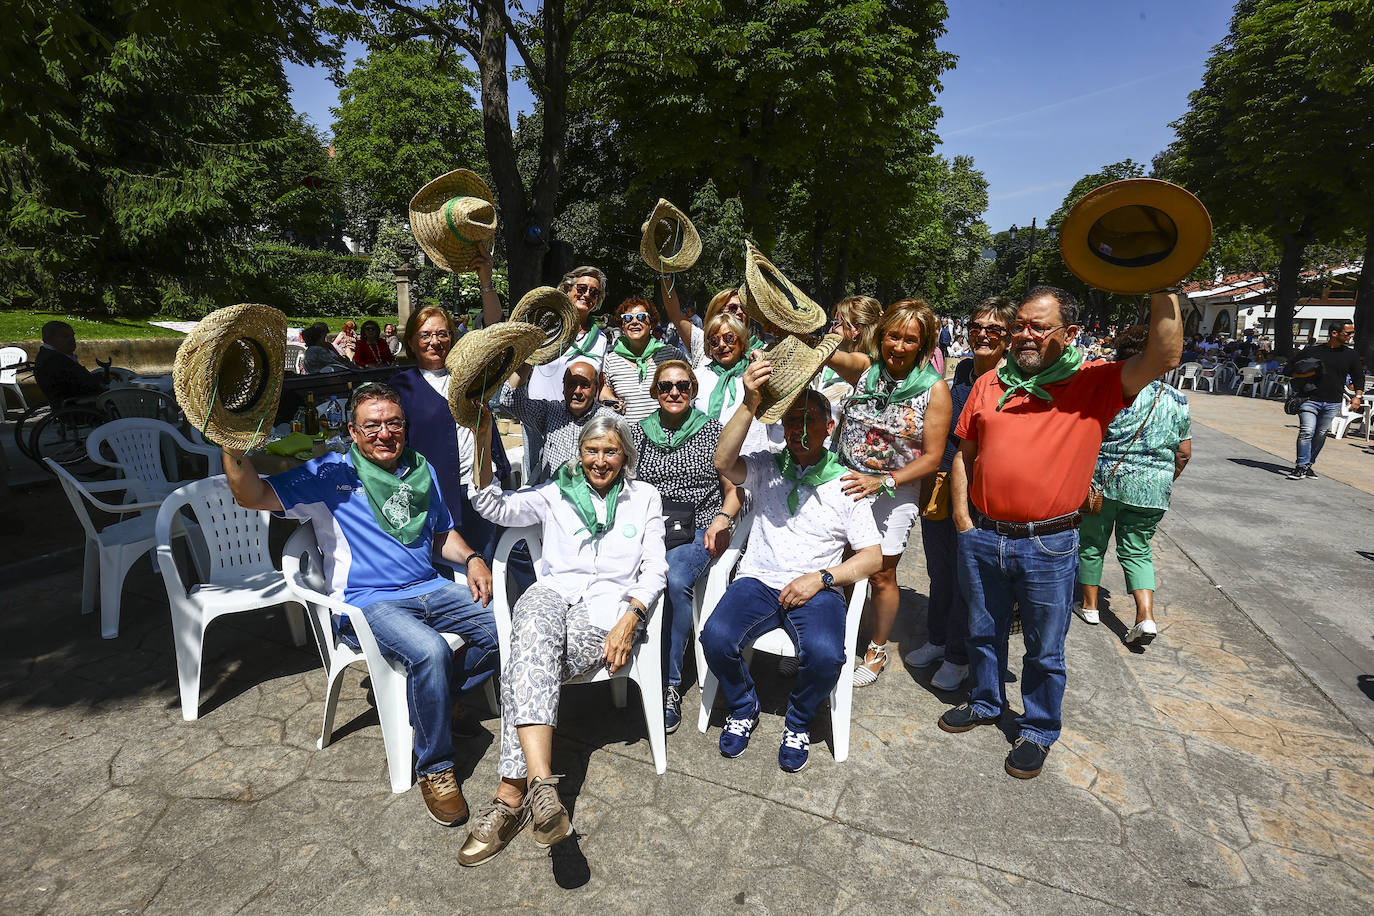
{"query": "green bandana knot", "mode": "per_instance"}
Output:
(642, 360)
(917, 383)
(655, 433)
(823, 471)
(1015, 380)
(399, 504)
(573, 484)
(587, 347)
(727, 382)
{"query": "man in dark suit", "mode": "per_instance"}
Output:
(55, 367)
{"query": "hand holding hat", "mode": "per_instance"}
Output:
(669, 243)
(452, 217)
(228, 373)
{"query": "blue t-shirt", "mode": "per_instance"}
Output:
(362, 563)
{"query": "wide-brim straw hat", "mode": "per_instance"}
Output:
(1135, 236)
(669, 243)
(795, 363)
(482, 360)
(228, 374)
(771, 299)
(451, 216)
(556, 316)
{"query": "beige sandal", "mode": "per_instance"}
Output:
(863, 672)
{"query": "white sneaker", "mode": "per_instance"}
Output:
(1086, 614)
(925, 656)
(1142, 634)
(949, 677)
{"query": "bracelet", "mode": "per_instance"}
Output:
(489, 288)
(643, 617)
(476, 554)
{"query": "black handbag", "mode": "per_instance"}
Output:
(679, 523)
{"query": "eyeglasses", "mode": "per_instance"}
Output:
(723, 340)
(630, 317)
(427, 336)
(373, 430)
(591, 292)
(683, 386)
(1034, 330)
(995, 330)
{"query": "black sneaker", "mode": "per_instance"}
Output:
(1309, 473)
(1025, 759)
(672, 710)
(1298, 473)
(962, 718)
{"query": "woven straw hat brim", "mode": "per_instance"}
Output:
(450, 216)
(1135, 236)
(774, 300)
(482, 360)
(669, 243)
(794, 366)
(555, 314)
(228, 374)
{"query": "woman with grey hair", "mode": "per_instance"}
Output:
(586, 287)
(601, 569)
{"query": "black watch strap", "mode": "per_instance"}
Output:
(476, 554)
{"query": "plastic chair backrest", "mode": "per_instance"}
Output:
(295, 359)
(10, 357)
(127, 403)
(235, 537)
(1189, 370)
(136, 445)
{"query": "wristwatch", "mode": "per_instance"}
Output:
(889, 482)
(827, 580)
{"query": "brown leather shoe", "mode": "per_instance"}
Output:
(443, 798)
(492, 830)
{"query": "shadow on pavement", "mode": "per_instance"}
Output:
(1269, 466)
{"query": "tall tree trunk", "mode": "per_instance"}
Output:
(544, 194)
(841, 271)
(1364, 304)
(1286, 300)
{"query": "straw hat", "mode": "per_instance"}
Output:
(450, 216)
(669, 242)
(771, 299)
(555, 315)
(795, 364)
(228, 374)
(481, 361)
(1135, 236)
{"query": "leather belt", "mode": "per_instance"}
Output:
(1027, 529)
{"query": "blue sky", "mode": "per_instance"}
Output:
(1044, 92)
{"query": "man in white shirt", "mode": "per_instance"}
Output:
(791, 575)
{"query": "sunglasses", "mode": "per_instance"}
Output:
(591, 292)
(724, 340)
(994, 329)
(683, 386)
(631, 317)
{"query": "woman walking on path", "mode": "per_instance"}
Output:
(892, 433)
(1145, 449)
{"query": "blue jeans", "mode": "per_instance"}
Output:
(946, 612)
(1039, 573)
(1314, 419)
(686, 563)
(746, 611)
(407, 631)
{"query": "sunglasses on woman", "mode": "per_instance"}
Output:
(630, 317)
(723, 340)
(683, 386)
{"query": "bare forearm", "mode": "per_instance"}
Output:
(958, 489)
(455, 548)
(1162, 349)
(849, 366)
(672, 307)
(728, 461)
(863, 564)
(250, 491)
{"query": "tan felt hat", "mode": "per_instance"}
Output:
(1135, 236)
(450, 216)
(482, 360)
(771, 299)
(228, 373)
(795, 364)
(669, 242)
(555, 315)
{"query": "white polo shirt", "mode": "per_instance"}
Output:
(546, 381)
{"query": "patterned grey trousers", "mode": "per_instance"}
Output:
(551, 642)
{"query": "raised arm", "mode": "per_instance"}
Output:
(491, 302)
(728, 462)
(1162, 349)
(849, 366)
(672, 307)
(250, 490)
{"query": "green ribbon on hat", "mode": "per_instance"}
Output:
(453, 227)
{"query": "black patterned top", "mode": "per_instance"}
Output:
(687, 474)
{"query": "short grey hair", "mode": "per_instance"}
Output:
(605, 424)
(566, 284)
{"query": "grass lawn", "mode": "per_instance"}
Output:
(23, 325)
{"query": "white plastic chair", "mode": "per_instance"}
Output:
(302, 567)
(1275, 380)
(110, 551)
(777, 642)
(1250, 377)
(645, 667)
(140, 448)
(295, 359)
(240, 575)
(1340, 424)
(1189, 372)
(10, 357)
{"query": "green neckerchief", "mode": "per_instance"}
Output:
(727, 381)
(573, 484)
(399, 504)
(916, 383)
(829, 377)
(653, 429)
(642, 360)
(584, 349)
(1063, 367)
(755, 343)
(823, 471)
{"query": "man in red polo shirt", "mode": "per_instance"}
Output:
(1030, 433)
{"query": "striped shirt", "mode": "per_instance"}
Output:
(623, 377)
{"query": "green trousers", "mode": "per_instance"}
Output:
(1134, 528)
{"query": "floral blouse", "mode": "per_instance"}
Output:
(874, 441)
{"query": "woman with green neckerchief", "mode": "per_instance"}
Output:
(601, 569)
(891, 435)
(677, 447)
(630, 363)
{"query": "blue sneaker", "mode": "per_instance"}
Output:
(795, 751)
(734, 737)
(672, 710)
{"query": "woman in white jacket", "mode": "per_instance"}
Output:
(603, 565)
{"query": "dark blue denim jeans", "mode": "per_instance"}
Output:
(686, 563)
(746, 611)
(946, 611)
(1314, 419)
(1039, 573)
(408, 631)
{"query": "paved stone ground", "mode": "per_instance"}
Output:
(1209, 773)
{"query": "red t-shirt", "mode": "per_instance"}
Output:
(1036, 457)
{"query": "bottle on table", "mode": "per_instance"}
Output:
(312, 416)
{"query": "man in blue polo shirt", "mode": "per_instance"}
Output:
(379, 518)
